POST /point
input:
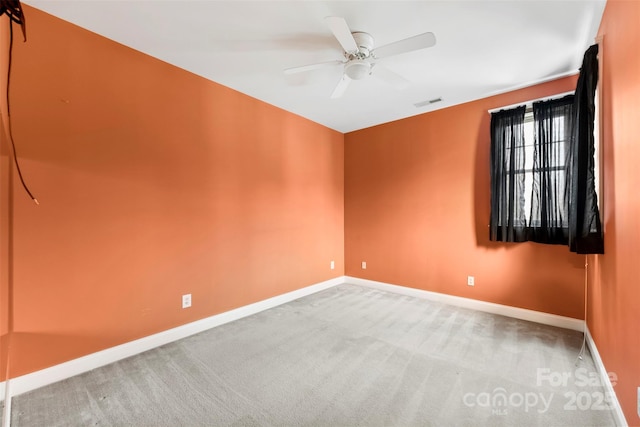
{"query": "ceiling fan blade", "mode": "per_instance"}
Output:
(341, 87)
(341, 31)
(390, 77)
(421, 41)
(311, 67)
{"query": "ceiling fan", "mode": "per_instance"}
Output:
(360, 56)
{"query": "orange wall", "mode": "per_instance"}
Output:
(153, 183)
(417, 207)
(5, 188)
(614, 292)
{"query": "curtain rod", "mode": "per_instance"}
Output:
(531, 101)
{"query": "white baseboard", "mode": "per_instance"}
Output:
(618, 415)
(83, 364)
(34, 380)
(488, 307)
(6, 411)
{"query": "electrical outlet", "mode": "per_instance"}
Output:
(364, 265)
(186, 301)
(333, 265)
(471, 281)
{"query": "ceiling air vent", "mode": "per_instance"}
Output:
(425, 103)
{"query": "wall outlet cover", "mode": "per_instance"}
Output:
(186, 301)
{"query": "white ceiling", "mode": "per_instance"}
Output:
(483, 47)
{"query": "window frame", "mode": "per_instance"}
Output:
(527, 226)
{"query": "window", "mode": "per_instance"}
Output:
(555, 147)
(529, 181)
(547, 190)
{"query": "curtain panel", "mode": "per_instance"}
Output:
(549, 219)
(585, 228)
(508, 218)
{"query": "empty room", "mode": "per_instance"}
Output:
(320, 213)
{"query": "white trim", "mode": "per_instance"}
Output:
(502, 91)
(83, 364)
(489, 307)
(618, 415)
(531, 101)
(34, 380)
(6, 411)
(532, 83)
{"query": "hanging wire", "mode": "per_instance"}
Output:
(584, 335)
(13, 9)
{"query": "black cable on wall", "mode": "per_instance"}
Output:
(13, 9)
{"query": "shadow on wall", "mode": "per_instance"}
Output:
(607, 196)
(482, 186)
(604, 292)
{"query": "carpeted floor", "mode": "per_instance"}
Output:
(347, 356)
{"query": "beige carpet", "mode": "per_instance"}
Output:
(347, 356)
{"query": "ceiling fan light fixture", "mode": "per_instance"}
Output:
(357, 69)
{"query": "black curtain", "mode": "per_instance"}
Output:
(585, 229)
(508, 218)
(549, 218)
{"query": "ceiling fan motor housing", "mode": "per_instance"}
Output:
(364, 42)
